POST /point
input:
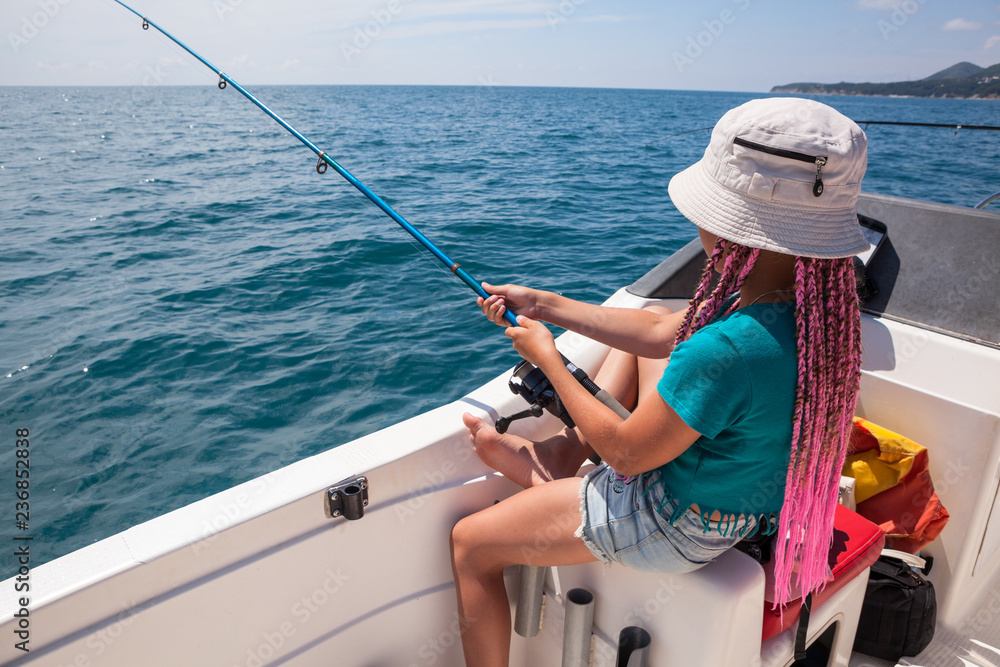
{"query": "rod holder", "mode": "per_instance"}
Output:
(528, 617)
(347, 499)
(633, 647)
(579, 623)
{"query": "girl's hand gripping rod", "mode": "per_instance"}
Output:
(533, 386)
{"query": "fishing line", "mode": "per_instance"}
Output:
(397, 232)
(528, 381)
(866, 123)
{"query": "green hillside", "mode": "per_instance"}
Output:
(980, 83)
(990, 71)
(959, 71)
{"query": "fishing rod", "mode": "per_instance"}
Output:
(866, 123)
(955, 127)
(528, 381)
(325, 159)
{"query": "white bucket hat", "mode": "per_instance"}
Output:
(779, 174)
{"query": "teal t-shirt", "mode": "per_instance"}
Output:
(734, 383)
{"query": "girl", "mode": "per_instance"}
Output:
(742, 402)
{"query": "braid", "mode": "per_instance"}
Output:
(800, 399)
(748, 263)
(833, 399)
(827, 324)
(684, 332)
(736, 259)
(740, 261)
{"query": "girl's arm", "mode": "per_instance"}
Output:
(639, 332)
(651, 436)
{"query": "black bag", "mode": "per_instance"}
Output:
(899, 611)
(758, 546)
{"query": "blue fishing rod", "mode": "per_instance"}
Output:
(325, 159)
(528, 381)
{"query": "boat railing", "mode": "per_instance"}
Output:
(989, 199)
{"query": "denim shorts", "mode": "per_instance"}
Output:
(624, 523)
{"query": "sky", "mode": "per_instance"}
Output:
(730, 45)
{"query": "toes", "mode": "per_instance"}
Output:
(472, 423)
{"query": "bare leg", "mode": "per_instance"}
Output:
(624, 376)
(533, 527)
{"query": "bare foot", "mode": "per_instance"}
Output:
(518, 458)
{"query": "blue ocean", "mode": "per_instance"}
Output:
(187, 304)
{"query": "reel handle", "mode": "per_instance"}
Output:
(503, 423)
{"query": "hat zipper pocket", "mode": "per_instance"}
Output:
(818, 160)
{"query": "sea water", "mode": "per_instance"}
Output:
(186, 304)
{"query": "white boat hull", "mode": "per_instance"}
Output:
(259, 574)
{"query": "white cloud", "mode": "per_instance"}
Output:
(878, 4)
(991, 42)
(612, 18)
(452, 27)
(961, 24)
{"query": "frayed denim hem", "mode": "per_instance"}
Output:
(581, 532)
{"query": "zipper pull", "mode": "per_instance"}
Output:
(818, 185)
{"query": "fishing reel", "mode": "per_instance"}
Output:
(531, 384)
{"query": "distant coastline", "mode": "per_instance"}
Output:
(963, 80)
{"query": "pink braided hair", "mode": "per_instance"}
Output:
(828, 323)
(828, 340)
(740, 261)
